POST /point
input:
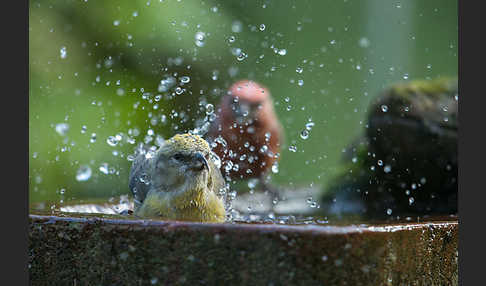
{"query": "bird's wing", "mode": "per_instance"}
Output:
(141, 168)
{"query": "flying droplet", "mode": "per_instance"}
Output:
(309, 125)
(83, 173)
(275, 168)
(112, 141)
(384, 108)
(199, 39)
(185, 79)
(241, 56)
(179, 90)
(209, 109)
(63, 52)
(387, 169)
(293, 148)
(411, 200)
(364, 42)
(93, 138)
(262, 27)
(62, 128)
(237, 27)
(104, 168)
(304, 134)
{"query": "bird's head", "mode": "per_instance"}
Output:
(183, 163)
(246, 100)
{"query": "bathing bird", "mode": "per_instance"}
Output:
(246, 133)
(179, 181)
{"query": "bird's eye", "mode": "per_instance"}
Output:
(178, 156)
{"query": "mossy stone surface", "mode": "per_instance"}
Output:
(84, 250)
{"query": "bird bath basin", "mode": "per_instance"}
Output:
(108, 249)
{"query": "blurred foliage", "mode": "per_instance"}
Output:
(97, 66)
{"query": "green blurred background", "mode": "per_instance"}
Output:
(104, 68)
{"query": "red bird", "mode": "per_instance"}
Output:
(246, 134)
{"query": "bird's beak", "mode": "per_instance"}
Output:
(200, 162)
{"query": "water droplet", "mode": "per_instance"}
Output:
(387, 169)
(380, 163)
(241, 56)
(112, 141)
(252, 183)
(411, 200)
(104, 168)
(93, 138)
(231, 39)
(83, 173)
(199, 39)
(228, 166)
(209, 109)
(304, 134)
(300, 82)
(309, 125)
(275, 168)
(299, 70)
(282, 52)
(144, 178)
(389, 211)
(405, 76)
(364, 42)
(262, 27)
(63, 52)
(215, 75)
(62, 128)
(116, 23)
(185, 79)
(236, 26)
(179, 90)
(293, 148)
(166, 84)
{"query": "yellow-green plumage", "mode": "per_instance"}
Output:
(180, 182)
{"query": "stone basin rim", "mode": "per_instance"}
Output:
(316, 229)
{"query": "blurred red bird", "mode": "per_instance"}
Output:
(246, 134)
